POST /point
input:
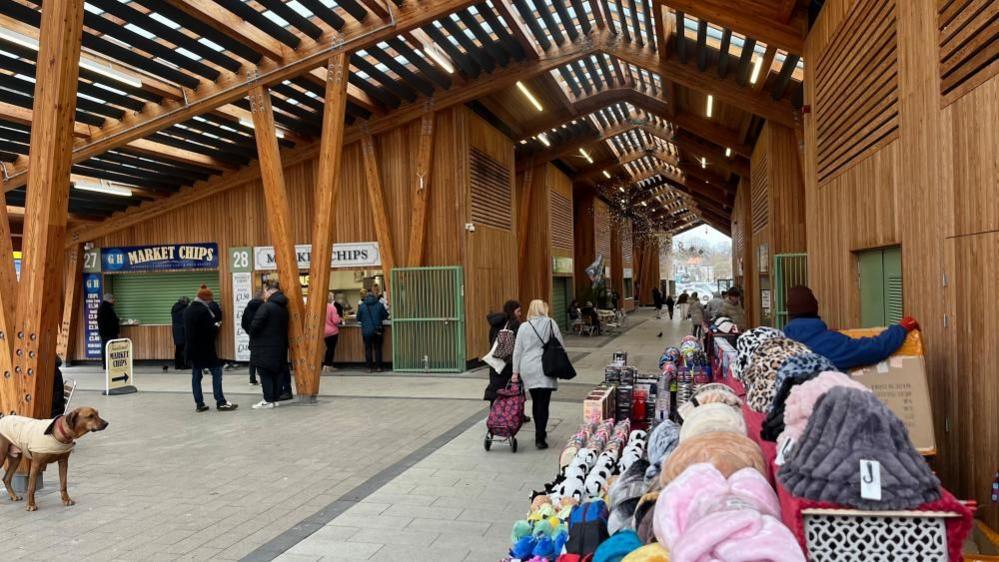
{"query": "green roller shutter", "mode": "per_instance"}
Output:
(880, 273)
(893, 285)
(148, 297)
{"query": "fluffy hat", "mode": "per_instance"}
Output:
(662, 441)
(801, 302)
(747, 343)
(761, 375)
(644, 513)
(653, 552)
(617, 547)
(711, 393)
(706, 418)
(204, 293)
(702, 515)
(850, 425)
(727, 451)
(802, 398)
(804, 366)
(623, 497)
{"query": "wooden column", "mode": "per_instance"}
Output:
(424, 167)
(8, 284)
(71, 300)
(376, 196)
(280, 229)
(327, 191)
(36, 317)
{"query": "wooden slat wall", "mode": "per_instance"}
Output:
(742, 239)
(237, 217)
(490, 193)
(856, 81)
(759, 209)
(969, 45)
(490, 253)
(584, 236)
(647, 273)
(560, 204)
(932, 190)
(535, 261)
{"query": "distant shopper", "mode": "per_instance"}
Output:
(657, 302)
(108, 325)
(331, 333)
(58, 390)
(269, 330)
(377, 290)
(201, 327)
(845, 352)
(712, 310)
(245, 322)
(509, 319)
(682, 302)
(696, 314)
(732, 308)
(371, 314)
(177, 323)
(670, 303)
(527, 351)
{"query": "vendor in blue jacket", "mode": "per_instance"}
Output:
(845, 352)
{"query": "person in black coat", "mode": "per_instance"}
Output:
(201, 327)
(108, 325)
(269, 344)
(247, 319)
(657, 302)
(510, 319)
(177, 321)
(670, 303)
(58, 390)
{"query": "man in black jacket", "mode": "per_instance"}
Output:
(201, 328)
(179, 341)
(269, 343)
(247, 319)
(108, 325)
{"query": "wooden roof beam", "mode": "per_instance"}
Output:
(233, 26)
(235, 87)
(744, 17)
(355, 95)
(518, 28)
(22, 116)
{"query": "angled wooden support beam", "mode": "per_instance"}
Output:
(518, 28)
(8, 281)
(712, 132)
(281, 234)
(323, 228)
(71, 300)
(421, 196)
(28, 390)
(379, 212)
(765, 66)
(747, 20)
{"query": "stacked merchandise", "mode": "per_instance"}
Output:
(683, 369)
(831, 443)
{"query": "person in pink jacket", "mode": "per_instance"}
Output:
(332, 332)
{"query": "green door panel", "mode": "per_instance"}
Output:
(560, 302)
(871, 268)
(428, 319)
(893, 284)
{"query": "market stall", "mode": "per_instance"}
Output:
(760, 451)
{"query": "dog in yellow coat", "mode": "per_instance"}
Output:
(43, 442)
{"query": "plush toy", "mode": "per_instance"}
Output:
(596, 480)
(520, 530)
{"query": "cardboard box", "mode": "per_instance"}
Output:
(599, 404)
(900, 382)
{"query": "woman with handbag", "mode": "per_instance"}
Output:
(502, 334)
(533, 340)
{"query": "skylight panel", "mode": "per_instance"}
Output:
(110, 89)
(275, 18)
(92, 9)
(300, 9)
(211, 45)
(140, 31)
(164, 20)
(188, 54)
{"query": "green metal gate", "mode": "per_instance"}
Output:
(790, 270)
(428, 319)
(560, 302)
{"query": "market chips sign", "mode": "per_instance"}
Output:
(160, 258)
(353, 255)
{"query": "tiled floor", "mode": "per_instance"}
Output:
(383, 468)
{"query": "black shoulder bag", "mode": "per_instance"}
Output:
(554, 359)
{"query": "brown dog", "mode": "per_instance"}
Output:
(43, 442)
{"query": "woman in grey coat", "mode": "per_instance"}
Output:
(527, 351)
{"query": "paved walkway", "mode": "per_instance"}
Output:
(383, 468)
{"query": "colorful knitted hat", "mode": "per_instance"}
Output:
(847, 427)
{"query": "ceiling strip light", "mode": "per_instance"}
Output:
(711, 104)
(530, 97)
(704, 162)
(544, 139)
(728, 152)
(106, 189)
(585, 155)
(607, 174)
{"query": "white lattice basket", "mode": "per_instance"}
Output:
(846, 535)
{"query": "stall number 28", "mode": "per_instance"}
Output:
(241, 260)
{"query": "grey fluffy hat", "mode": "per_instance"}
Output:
(850, 425)
(662, 440)
(624, 495)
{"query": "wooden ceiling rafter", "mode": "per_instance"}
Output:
(745, 17)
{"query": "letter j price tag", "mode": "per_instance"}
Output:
(870, 480)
